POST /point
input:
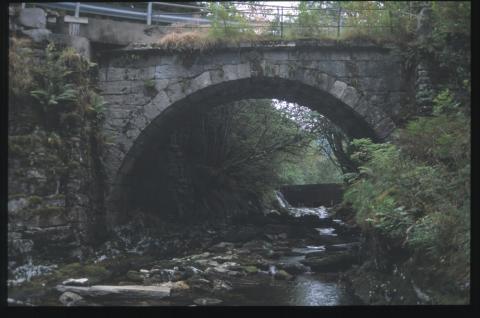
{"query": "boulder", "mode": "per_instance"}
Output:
(33, 18)
(282, 275)
(294, 268)
(76, 282)
(219, 284)
(134, 276)
(130, 291)
(250, 269)
(70, 299)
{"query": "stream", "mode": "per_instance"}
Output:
(286, 264)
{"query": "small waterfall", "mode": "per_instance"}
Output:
(281, 200)
(272, 270)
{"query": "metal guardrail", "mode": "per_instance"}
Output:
(129, 14)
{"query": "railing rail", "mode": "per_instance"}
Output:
(275, 19)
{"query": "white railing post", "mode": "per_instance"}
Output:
(149, 13)
(77, 10)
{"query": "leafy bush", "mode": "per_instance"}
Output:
(416, 194)
(227, 22)
(51, 85)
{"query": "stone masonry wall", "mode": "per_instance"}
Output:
(355, 84)
(53, 204)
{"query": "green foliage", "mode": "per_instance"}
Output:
(149, 84)
(95, 105)
(51, 85)
(308, 167)
(448, 45)
(444, 103)
(231, 158)
(416, 193)
(227, 22)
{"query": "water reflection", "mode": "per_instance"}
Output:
(312, 292)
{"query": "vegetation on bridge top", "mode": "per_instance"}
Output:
(329, 21)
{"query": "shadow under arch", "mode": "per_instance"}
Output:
(157, 131)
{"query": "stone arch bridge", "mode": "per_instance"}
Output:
(363, 88)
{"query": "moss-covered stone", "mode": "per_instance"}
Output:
(34, 200)
(94, 272)
(135, 276)
(250, 269)
(50, 210)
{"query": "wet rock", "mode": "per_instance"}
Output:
(282, 275)
(176, 287)
(131, 291)
(343, 247)
(315, 254)
(200, 283)
(191, 271)
(294, 268)
(221, 247)
(221, 285)
(250, 269)
(76, 282)
(165, 275)
(135, 276)
(70, 299)
(199, 256)
(330, 262)
(207, 301)
(224, 258)
(14, 302)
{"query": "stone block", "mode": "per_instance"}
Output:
(175, 91)
(243, 70)
(121, 87)
(201, 81)
(384, 128)
(338, 89)
(161, 101)
(169, 71)
(333, 68)
(38, 35)
(33, 18)
(350, 96)
(230, 72)
(274, 56)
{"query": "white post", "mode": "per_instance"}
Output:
(23, 5)
(77, 10)
(149, 14)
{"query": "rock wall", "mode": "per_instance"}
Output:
(54, 178)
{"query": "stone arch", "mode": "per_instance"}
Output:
(343, 104)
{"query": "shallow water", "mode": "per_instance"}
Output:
(262, 289)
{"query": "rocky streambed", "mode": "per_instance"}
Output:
(290, 259)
